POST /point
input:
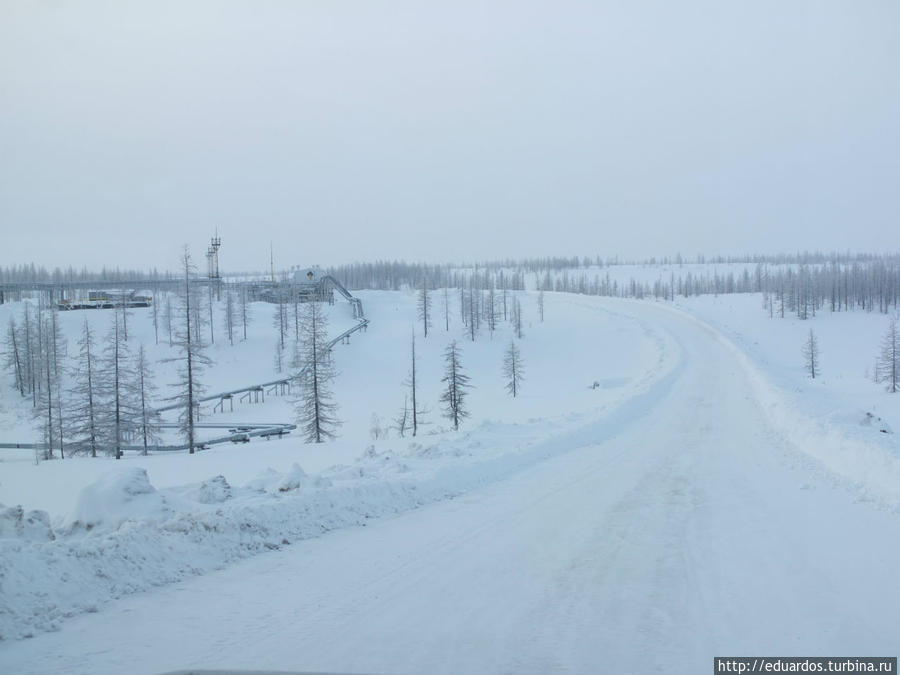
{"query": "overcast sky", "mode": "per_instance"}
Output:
(345, 130)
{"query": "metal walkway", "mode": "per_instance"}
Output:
(356, 302)
(255, 390)
(238, 432)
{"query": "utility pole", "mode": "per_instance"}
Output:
(272, 262)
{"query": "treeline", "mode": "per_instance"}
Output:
(393, 275)
(396, 275)
(869, 283)
(802, 291)
(32, 273)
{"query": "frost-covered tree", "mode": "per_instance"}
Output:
(540, 304)
(415, 412)
(490, 310)
(117, 388)
(513, 369)
(811, 354)
(48, 411)
(245, 309)
(59, 348)
(446, 298)
(280, 318)
(456, 383)
(295, 301)
(155, 309)
(198, 318)
(517, 317)
(170, 317)
(423, 306)
(377, 430)
(315, 409)
(84, 413)
(31, 360)
(888, 364)
(13, 357)
(473, 315)
(125, 313)
(401, 421)
(229, 316)
(148, 424)
(192, 361)
(37, 353)
(211, 300)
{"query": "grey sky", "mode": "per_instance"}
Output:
(353, 130)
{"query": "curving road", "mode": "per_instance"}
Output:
(683, 529)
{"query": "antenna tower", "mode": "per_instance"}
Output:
(212, 256)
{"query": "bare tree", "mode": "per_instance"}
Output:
(446, 297)
(245, 309)
(38, 352)
(314, 405)
(811, 354)
(30, 360)
(401, 421)
(212, 337)
(59, 348)
(540, 304)
(424, 307)
(119, 405)
(457, 382)
(295, 301)
(148, 424)
(169, 316)
(192, 359)
(197, 320)
(122, 307)
(888, 364)
(155, 305)
(412, 381)
(473, 326)
(490, 311)
(279, 320)
(513, 369)
(84, 415)
(517, 317)
(14, 358)
(229, 316)
(48, 411)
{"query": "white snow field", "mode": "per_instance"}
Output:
(704, 500)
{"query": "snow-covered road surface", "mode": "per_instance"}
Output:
(690, 530)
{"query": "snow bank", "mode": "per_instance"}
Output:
(125, 536)
(15, 523)
(118, 496)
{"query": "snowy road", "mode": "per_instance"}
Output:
(691, 531)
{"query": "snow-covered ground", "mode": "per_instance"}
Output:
(144, 521)
(563, 357)
(842, 418)
(704, 499)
